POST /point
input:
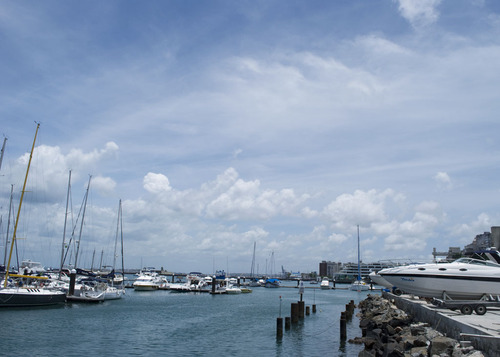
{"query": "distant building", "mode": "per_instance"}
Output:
(329, 268)
(480, 242)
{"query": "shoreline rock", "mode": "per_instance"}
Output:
(390, 332)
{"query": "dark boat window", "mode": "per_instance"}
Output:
(442, 269)
(463, 269)
(421, 268)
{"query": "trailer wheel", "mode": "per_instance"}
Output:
(480, 309)
(397, 292)
(466, 309)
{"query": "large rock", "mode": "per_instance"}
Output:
(441, 344)
(388, 331)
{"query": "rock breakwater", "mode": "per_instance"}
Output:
(390, 332)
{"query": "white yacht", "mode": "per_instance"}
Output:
(325, 283)
(147, 281)
(465, 278)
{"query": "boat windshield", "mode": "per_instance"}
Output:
(477, 262)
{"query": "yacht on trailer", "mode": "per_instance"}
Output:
(465, 278)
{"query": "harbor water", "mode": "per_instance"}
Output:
(164, 323)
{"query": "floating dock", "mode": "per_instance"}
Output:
(483, 331)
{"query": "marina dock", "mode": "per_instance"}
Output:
(483, 332)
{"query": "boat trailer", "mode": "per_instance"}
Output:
(466, 307)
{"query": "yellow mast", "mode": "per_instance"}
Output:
(19, 209)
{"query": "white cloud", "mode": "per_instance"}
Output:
(443, 180)
(363, 208)
(156, 183)
(419, 12)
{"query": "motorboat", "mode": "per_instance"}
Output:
(359, 285)
(464, 278)
(325, 283)
(377, 279)
(272, 283)
(147, 281)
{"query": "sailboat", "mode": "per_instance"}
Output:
(253, 279)
(358, 284)
(116, 292)
(13, 293)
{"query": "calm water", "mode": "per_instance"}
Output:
(161, 323)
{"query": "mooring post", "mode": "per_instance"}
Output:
(213, 284)
(295, 312)
(343, 326)
(314, 308)
(72, 279)
(308, 310)
(279, 327)
(301, 309)
(287, 323)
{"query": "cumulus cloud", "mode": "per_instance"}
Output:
(105, 185)
(465, 231)
(363, 208)
(419, 13)
(156, 183)
(50, 167)
(247, 200)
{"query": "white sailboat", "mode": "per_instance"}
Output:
(359, 284)
(12, 293)
(116, 292)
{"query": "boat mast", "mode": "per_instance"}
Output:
(252, 272)
(121, 238)
(19, 209)
(3, 150)
(359, 265)
(81, 223)
(65, 221)
(117, 230)
(8, 225)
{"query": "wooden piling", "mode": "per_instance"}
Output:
(287, 323)
(301, 309)
(314, 308)
(308, 312)
(279, 327)
(72, 280)
(214, 282)
(343, 326)
(295, 312)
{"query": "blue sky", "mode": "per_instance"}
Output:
(224, 123)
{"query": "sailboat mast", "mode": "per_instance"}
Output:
(3, 150)
(81, 224)
(8, 225)
(19, 209)
(121, 238)
(359, 264)
(252, 270)
(65, 221)
(117, 230)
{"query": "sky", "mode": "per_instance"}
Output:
(224, 124)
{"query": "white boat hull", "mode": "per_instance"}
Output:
(456, 280)
(378, 280)
(359, 286)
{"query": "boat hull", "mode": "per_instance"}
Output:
(145, 287)
(456, 280)
(20, 297)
